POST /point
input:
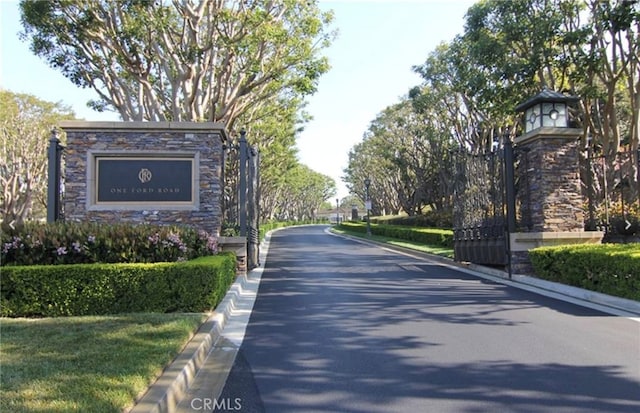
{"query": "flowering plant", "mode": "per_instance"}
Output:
(74, 243)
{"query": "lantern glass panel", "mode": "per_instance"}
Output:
(554, 115)
(547, 120)
(561, 122)
(532, 118)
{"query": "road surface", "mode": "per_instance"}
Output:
(342, 326)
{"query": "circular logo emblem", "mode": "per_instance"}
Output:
(144, 175)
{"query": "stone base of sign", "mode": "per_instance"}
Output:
(522, 242)
(237, 245)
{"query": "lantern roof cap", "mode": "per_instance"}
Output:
(546, 95)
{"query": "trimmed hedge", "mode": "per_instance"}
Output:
(431, 219)
(428, 236)
(99, 289)
(268, 226)
(612, 269)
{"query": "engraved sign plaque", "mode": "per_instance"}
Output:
(144, 180)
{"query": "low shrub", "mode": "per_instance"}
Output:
(431, 219)
(81, 243)
(607, 268)
(428, 236)
(99, 289)
(268, 226)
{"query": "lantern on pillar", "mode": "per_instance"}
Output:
(546, 109)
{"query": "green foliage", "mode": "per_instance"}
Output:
(508, 52)
(75, 243)
(305, 192)
(223, 58)
(230, 229)
(96, 289)
(402, 153)
(25, 128)
(432, 219)
(619, 216)
(429, 236)
(268, 226)
(608, 268)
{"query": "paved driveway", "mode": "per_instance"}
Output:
(341, 326)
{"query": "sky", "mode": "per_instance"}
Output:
(378, 43)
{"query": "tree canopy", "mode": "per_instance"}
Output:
(248, 63)
(181, 60)
(508, 52)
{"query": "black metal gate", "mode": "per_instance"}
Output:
(481, 222)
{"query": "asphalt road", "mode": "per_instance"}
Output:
(342, 326)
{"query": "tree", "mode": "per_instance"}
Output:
(367, 160)
(406, 154)
(396, 135)
(605, 51)
(25, 127)
(304, 192)
(509, 51)
(182, 60)
(237, 62)
(273, 132)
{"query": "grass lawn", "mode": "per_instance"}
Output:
(429, 249)
(86, 364)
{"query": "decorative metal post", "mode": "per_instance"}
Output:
(337, 211)
(367, 183)
(509, 178)
(53, 188)
(242, 196)
(253, 241)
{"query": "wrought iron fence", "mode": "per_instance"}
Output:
(611, 189)
(479, 213)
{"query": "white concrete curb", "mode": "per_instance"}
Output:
(163, 395)
(178, 378)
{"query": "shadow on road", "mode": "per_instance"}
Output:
(348, 328)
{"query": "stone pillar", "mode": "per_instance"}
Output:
(549, 194)
(552, 180)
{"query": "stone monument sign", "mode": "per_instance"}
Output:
(144, 172)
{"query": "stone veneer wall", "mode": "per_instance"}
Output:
(549, 194)
(203, 140)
